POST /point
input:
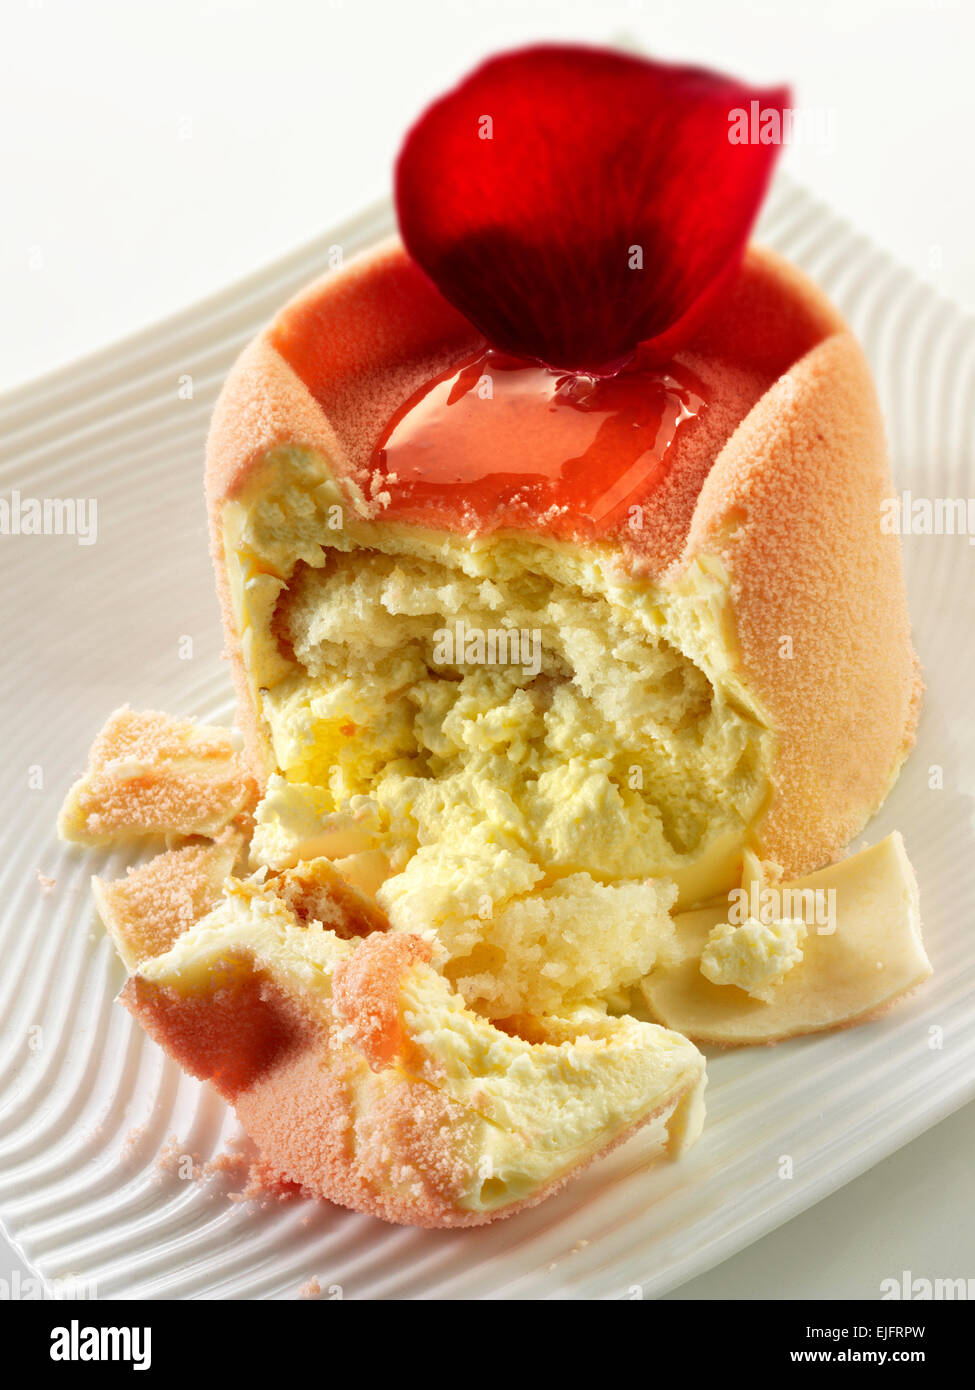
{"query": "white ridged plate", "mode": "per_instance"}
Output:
(87, 1102)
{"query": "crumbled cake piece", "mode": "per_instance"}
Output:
(150, 907)
(316, 892)
(150, 774)
(363, 1078)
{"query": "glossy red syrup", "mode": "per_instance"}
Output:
(501, 442)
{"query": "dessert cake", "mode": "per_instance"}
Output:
(547, 543)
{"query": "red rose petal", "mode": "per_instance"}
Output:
(530, 233)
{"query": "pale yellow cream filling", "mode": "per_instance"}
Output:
(521, 813)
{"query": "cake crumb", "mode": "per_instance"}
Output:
(248, 1176)
(173, 1159)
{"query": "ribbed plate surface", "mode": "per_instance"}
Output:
(87, 1102)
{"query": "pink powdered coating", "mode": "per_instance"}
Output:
(321, 1119)
(366, 993)
(230, 1035)
(154, 904)
(151, 774)
(394, 1148)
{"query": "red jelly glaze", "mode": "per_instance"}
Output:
(501, 442)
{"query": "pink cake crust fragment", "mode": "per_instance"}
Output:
(147, 910)
(397, 1150)
(149, 774)
(366, 994)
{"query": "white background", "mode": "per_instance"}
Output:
(151, 153)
